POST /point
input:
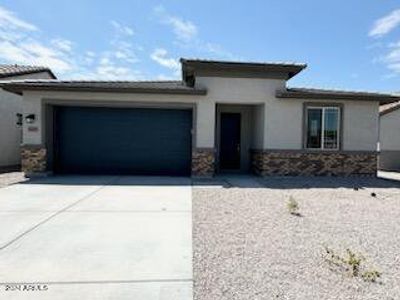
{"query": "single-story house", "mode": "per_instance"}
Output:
(11, 113)
(389, 137)
(221, 117)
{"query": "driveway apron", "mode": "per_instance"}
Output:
(81, 237)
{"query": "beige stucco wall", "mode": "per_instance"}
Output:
(279, 120)
(220, 90)
(390, 131)
(285, 124)
(258, 126)
(34, 104)
(241, 91)
(10, 132)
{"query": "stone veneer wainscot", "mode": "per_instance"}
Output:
(33, 159)
(313, 163)
(203, 162)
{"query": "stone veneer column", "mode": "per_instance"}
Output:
(33, 159)
(314, 163)
(203, 162)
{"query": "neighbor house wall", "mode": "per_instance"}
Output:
(10, 132)
(389, 141)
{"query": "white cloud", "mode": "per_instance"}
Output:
(122, 29)
(11, 52)
(121, 44)
(43, 55)
(392, 58)
(90, 53)
(9, 20)
(123, 51)
(108, 70)
(187, 35)
(160, 56)
(184, 30)
(62, 44)
(218, 51)
(385, 24)
(382, 27)
(23, 43)
(163, 77)
(33, 53)
(20, 43)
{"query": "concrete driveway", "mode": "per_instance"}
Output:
(80, 237)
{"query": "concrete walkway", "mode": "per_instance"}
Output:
(96, 238)
(395, 176)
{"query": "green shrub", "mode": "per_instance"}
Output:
(293, 207)
(351, 263)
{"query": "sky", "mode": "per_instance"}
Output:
(347, 44)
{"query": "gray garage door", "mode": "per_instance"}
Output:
(122, 141)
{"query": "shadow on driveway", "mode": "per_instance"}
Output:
(110, 180)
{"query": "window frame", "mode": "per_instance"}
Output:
(323, 107)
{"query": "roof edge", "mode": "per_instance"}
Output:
(320, 94)
(237, 69)
(390, 110)
(19, 88)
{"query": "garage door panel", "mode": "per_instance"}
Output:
(123, 141)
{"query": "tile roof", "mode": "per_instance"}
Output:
(228, 67)
(159, 87)
(16, 70)
(320, 94)
(239, 62)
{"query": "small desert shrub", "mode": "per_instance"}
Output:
(351, 263)
(293, 206)
(371, 276)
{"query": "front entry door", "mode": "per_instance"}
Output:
(229, 154)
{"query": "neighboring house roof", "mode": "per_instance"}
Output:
(193, 67)
(155, 87)
(18, 70)
(388, 108)
(321, 94)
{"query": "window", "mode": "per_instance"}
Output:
(323, 124)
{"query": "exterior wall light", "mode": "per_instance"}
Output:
(30, 119)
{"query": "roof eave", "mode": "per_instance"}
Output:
(389, 110)
(257, 69)
(19, 89)
(383, 99)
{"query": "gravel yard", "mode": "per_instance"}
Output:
(11, 178)
(248, 246)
